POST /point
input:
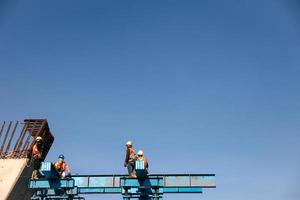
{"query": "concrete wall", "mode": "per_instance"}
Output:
(14, 179)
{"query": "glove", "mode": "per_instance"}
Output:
(37, 156)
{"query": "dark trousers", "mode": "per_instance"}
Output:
(130, 168)
(37, 164)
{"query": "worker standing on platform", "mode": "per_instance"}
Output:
(141, 157)
(36, 155)
(130, 159)
(62, 167)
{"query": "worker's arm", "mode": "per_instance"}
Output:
(146, 163)
(29, 154)
(127, 157)
(68, 169)
(56, 166)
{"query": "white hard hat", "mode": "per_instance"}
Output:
(38, 138)
(140, 153)
(129, 143)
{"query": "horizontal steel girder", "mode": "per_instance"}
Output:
(113, 182)
(169, 180)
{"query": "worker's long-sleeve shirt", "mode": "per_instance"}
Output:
(146, 163)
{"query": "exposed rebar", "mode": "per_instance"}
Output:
(5, 138)
(11, 138)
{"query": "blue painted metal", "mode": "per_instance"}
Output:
(142, 188)
(141, 171)
(52, 183)
(182, 190)
(167, 190)
(97, 181)
(47, 170)
(169, 180)
(150, 182)
(61, 191)
(118, 181)
(100, 190)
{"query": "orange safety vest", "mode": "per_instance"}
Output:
(36, 153)
(131, 153)
(61, 167)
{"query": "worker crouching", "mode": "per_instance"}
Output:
(62, 167)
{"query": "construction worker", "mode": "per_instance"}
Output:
(141, 157)
(36, 154)
(130, 159)
(62, 167)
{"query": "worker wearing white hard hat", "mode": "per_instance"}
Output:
(140, 156)
(36, 154)
(130, 158)
(142, 164)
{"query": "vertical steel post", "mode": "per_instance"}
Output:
(2, 127)
(25, 146)
(15, 151)
(19, 143)
(11, 137)
(5, 138)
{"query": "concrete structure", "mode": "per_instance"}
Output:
(16, 142)
(14, 177)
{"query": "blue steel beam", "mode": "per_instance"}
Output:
(99, 190)
(51, 183)
(133, 182)
(117, 182)
(169, 180)
(47, 170)
(142, 188)
(55, 192)
(113, 183)
(182, 190)
(167, 190)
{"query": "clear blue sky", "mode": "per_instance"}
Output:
(201, 86)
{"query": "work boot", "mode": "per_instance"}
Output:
(34, 175)
(133, 174)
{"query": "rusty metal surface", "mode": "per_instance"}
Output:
(2, 127)
(11, 138)
(5, 138)
(17, 141)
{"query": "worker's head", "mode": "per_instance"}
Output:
(140, 153)
(61, 158)
(39, 139)
(129, 144)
